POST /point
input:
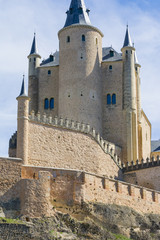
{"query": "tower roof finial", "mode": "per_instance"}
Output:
(34, 49)
(77, 13)
(127, 41)
(23, 89)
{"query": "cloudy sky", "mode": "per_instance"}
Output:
(20, 18)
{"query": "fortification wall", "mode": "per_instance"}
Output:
(10, 175)
(145, 173)
(60, 147)
(74, 187)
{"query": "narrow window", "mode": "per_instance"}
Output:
(110, 67)
(80, 10)
(126, 51)
(49, 72)
(114, 98)
(34, 59)
(52, 103)
(83, 38)
(108, 99)
(96, 41)
(46, 103)
(68, 39)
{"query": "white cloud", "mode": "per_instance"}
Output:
(19, 19)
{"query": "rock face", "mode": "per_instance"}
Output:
(92, 221)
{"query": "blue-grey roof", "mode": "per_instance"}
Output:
(127, 41)
(23, 89)
(77, 13)
(155, 146)
(53, 60)
(109, 54)
(34, 49)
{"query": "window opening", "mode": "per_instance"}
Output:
(49, 72)
(52, 103)
(110, 67)
(108, 99)
(114, 98)
(68, 39)
(83, 38)
(46, 103)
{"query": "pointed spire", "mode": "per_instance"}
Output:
(77, 14)
(23, 89)
(127, 41)
(34, 49)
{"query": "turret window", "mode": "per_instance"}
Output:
(108, 99)
(114, 98)
(52, 103)
(96, 40)
(34, 59)
(110, 67)
(46, 103)
(68, 39)
(49, 72)
(83, 38)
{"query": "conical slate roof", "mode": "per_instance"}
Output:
(127, 41)
(77, 14)
(34, 49)
(23, 89)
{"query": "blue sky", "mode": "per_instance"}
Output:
(19, 20)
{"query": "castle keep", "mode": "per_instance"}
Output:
(82, 134)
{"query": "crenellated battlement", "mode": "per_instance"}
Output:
(107, 147)
(143, 164)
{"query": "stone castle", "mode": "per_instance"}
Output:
(82, 135)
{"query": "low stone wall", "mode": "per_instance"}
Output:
(58, 147)
(74, 187)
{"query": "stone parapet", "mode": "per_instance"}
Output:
(143, 164)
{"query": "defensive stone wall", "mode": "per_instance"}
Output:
(145, 173)
(67, 144)
(10, 175)
(74, 187)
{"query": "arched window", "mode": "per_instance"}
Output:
(96, 41)
(108, 99)
(68, 39)
(83, 38)
(46, 103)
(52, 103)
(114, 98)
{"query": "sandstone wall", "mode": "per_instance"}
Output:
(48, 88)
(148, 177)
(62, 148)
(75, 187)
(10, 175)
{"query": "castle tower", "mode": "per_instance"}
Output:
(129, 100)
(22, 125)
(34, 63)
(80, 88)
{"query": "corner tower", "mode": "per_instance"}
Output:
(80, 87)
(130, 152)
(34, 63)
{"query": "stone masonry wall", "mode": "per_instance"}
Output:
(10, 175)
(146, 136)
(74, 187)
(62, 148)
(148, 177)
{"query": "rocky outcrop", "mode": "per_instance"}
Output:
(90, 221)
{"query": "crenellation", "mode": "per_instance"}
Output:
(66, 123)
(73, 125)
(61, 122)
